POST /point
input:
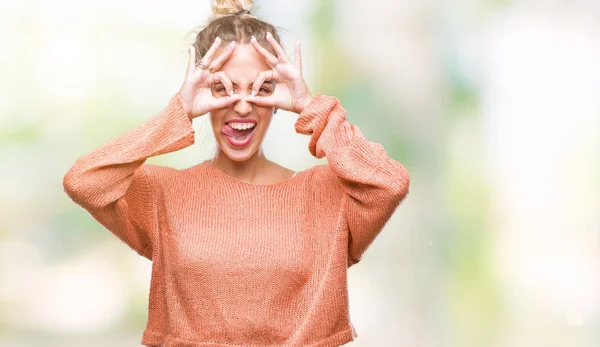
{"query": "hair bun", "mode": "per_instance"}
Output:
(227, 7)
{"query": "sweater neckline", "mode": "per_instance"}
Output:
(220, 173)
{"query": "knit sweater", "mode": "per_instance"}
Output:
(236, 263)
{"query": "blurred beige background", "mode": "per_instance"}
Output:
(493, 106)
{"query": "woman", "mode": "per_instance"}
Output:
(244, 251)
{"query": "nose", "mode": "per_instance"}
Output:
(242, 107)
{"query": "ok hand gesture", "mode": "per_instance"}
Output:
(291, 92)
(195, 93)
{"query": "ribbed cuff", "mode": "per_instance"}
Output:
(315, 115)
(177, 107)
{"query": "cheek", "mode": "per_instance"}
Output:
(216, 118)
(265, 114)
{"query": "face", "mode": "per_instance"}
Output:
(240, 128)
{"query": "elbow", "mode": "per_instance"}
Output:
(392, 185)
(402, 182)
(72, 185)
(351, 261)
(79, 190)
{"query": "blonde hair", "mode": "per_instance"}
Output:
(224, 7)
(232, 21)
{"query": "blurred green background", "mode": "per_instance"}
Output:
(493, 106)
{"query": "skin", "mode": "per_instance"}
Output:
(241, 82)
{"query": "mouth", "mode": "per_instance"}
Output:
(239, 134)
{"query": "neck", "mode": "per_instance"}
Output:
(248, 170)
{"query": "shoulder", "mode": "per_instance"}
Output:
(155, 171)
(323, 187)
(323, 172)
(158, 174)
(278, 172)
(322, 177)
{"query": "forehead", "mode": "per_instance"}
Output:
(244, 65)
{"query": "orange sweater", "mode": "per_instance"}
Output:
(240, 264)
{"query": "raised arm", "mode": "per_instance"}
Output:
(112, 183)
(113, 186)
(374, 183)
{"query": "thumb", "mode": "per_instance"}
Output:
(225, 101)
(264, 101)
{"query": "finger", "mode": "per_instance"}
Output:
(207, 58)
(192, 60)
(260, 79)
(225, 102)
(278, 49)
(264, 101)
(224, 79)
(298, 59)
(221, 59)
(270, 58)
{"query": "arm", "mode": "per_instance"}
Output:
(116, 189)
(374, 183)
(112, 184)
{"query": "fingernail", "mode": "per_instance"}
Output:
(232, 43)
(269, 34)
(253, 39)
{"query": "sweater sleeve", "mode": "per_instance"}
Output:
(114, 186)
(374, 184)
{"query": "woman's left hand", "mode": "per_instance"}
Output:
(291, 92)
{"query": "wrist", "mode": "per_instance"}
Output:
(185, 107)
(303, 104)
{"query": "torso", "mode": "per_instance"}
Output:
(235, 260)
(278, 173)
(271, 173)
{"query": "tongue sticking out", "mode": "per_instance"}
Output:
(229, 131)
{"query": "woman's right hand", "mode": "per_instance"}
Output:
(195, 94)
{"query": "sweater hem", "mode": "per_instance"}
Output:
(153, 340)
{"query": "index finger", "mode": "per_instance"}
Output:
(224, 80)
(262, 77)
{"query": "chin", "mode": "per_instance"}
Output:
(238, 154)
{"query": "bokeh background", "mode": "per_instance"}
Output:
(492, 105)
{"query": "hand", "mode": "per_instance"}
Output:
(291, 92)
(195, 93)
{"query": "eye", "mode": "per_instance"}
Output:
(266, 89)
(219, 89)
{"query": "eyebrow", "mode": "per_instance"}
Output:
(271, 82)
